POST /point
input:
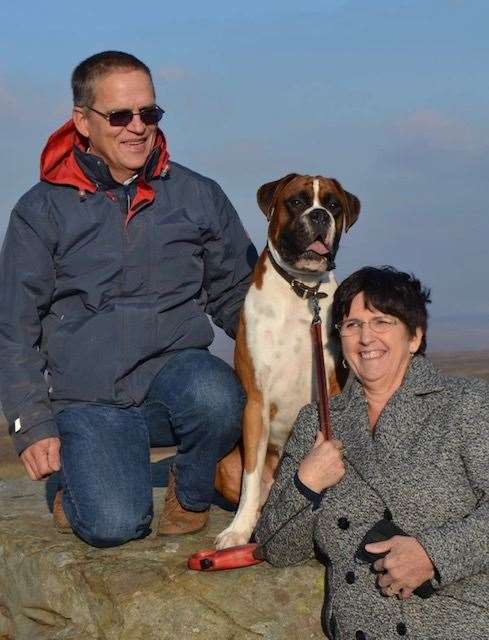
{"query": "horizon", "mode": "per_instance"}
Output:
(445, 336)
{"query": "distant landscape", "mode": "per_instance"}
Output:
(462, 363)
(463, 332)
(458, 344)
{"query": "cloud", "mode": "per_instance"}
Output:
(174, 73)
(435, 145)
(9, 103)
(17, 98)
(436, 130)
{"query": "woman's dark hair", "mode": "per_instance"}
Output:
(96, 66)
(390, 291)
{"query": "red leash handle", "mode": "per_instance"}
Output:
(243, 555)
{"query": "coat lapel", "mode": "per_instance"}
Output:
(398, 428)
(407, 412)
(350, 425)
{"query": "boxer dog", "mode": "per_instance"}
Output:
(274, 352)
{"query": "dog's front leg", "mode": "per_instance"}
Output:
(255, 437)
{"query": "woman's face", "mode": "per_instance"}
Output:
(379, 359)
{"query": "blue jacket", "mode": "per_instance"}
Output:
(99, 282)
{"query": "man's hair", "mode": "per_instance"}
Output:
(84, 75)
(396, 293)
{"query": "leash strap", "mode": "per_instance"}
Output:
(322, 382)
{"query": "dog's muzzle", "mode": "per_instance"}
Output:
(319, 224)
(320, 218)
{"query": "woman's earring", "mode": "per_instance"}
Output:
(344, 363)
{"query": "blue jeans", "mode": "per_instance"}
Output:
(195, 402)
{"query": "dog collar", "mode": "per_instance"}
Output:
(299, 288)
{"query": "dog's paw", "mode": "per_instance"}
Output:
(231, 538)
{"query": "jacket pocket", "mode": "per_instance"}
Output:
(53, 342)
(177, 273)
(185, 327)
(83, 354)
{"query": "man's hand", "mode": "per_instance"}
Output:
(323, 467)
(405, 567)
(41, 459)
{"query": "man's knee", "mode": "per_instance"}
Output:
(109, 526)
(202, 393)
(215, 389)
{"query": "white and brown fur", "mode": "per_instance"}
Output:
(274, 354)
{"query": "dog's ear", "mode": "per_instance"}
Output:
(267, 193)
(352, 209)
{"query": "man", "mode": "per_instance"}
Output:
(109, 266)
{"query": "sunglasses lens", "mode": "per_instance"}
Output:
(123, 118)
(151, 116)
(120, 118)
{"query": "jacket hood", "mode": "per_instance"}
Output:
(59, 165)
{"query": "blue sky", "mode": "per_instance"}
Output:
(390, 97)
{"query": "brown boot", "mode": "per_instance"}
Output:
(60, 520)
(175, 520)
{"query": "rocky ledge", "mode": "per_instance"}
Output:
(55, 587)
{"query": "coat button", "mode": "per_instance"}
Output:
(359, 635)
(387, 514)
(350, 577)
(343, 523)
(401, 629)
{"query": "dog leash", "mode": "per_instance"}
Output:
(246, 555)
(322, 382)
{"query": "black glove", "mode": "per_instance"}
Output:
(383, 530)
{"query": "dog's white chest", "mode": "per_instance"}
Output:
(278, 333)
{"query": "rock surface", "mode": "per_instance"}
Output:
(55, 587)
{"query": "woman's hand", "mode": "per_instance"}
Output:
(405, 567)
(323, 467)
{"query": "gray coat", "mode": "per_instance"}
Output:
(428, 464)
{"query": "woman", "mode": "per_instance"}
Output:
(411, 448)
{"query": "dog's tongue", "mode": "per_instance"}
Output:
(318, 246)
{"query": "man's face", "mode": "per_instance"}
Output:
(124, 149)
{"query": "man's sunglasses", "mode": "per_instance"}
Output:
(151, 115)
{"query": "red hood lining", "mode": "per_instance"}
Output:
(59, 165)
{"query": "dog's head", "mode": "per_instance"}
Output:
(307, 215)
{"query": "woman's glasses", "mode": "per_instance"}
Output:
(354, 327)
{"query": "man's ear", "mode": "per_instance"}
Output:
(267, 193)
(80, 120)
(352, 206)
